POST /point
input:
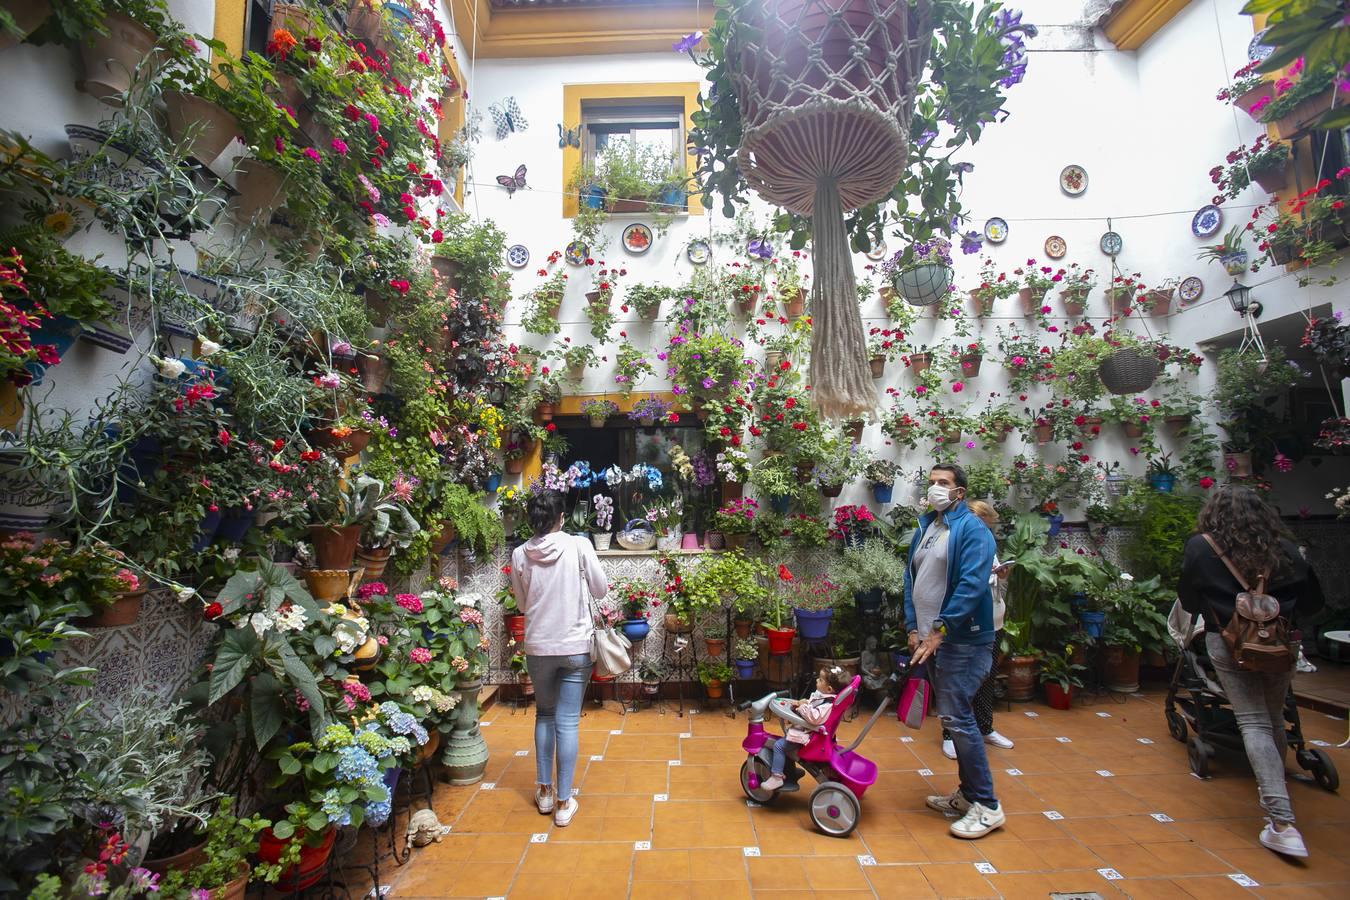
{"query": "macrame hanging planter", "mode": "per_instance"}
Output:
(826, 92)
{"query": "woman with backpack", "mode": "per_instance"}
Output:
(1235, 570)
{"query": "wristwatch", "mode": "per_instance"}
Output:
(940, 627)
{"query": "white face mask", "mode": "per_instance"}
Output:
(939, 496)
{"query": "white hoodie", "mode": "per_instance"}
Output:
(550, 577)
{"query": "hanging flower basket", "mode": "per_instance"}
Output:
(1295, 122)
(925, 284)
(1252, 97)
(1031, 304)
(878, 366)
(1129, 371)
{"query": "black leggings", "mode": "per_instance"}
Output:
(984, 700)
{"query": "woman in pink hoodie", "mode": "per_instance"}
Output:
(554, 575)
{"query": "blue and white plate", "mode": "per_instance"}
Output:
(995, 230)
(878, 252)
(517, 256)
(698, 252)
(1206, 221)
(1111, 243)
(1257, 51)
(1191, 289)
(576, 253)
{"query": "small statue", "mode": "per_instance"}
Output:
(424, 827)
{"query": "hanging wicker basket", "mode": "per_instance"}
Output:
(1129, 371)
(926, 284)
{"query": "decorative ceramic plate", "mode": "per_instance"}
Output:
(1055, 248)
(576, 253)
(1073, 180)
(1111, 243)
(698, 252)
(995, 230)
(637, 238)
(1206, 221)
(878, 251)
(1257, 51)
(1191, 289)
(517, 256)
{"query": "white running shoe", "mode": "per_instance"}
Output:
(978, 821)
(543, 799)
(955, 802)
(998, 740)
(563, 817)
(772, 783)
(1287, 843)
(949, 749)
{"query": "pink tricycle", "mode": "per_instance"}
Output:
(843, 776)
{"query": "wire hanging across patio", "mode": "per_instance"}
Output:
(826, 94)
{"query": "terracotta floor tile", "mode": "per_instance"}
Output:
(895, 848)
(780, 874)
(1143, 829)
(1021, 886)
(957, 880)
(1270, 868)
(500, 847)
(1094, 832)
(835, 874)
(1030, 826)
(898, 881)
(537, 884)
(598, 887)
(1065, 854)
(844, 895)
(721, 890)
(716, 864)
(1211, 888)
(1304, 891)
(1155, 860)
(550, 860)
(1012, 856)
(665, 890)
(1222, 835)
(661, 865)
(482, 879)
(942, 847)
(1154, 889)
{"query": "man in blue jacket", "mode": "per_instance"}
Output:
(949, 615)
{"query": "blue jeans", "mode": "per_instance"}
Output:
(779, 756)
(961, 670)
(559, 688)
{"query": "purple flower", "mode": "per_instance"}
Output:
(970, 242)
(708, 383)
(759, 248)
(927, 136)
(687, 43)
(962, 167)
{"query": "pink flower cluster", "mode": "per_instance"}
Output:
(411, 602)
(420, 655)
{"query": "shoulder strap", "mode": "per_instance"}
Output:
(1226, 561)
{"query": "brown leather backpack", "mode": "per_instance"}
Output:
(1257, 636)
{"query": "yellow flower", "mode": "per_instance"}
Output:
(59, 222)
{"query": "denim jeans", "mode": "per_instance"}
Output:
(1257, 699)
(961, 670)
(559, 688)
(779, 754)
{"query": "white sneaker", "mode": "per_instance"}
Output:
(543, 799)
(772, 783)
(998, 740)
(949, 749)
(1287, 843)
(955, 802)
(563, 817)
(978, 821)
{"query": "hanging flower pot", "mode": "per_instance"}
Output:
(1120, 299)
(444, 538)
(1132, 429)
(373, 561)
(919, 362)
(925, 284)
(1021, 677)
(813, 624)
(515, 466)
(1238, 463)
(11, 405)
(111, 59)
(1058, 697)
(1121, 669)
(544, 411)
(334, 545)
(27, 15)
(773, 359)
(447, 268)
(745, 302)
(983, 302)
(1031, 304)
(1235, 263)
(1129, 371)
(1253, 96)
(882, 493)
(795, 304)
(313, 859)
(831, 490)
(207, 528)
(207, 127)
(1073, 300)
(780, 640)
(124, 610)
(293, 17)
(878, 365)
(259, 190)
(1091, 427)
(855, 430)
(235, 524)
(1271, 178)
(781, 503)
(970, 364)
(1298, 120)
(1162, 482)
(374, 371)
(1158, 302)
(868, 602)
(951, 436)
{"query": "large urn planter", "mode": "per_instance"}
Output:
(313, 859)
(111, 59)
(1121, 669)
(1021, 677)
(466, 753)
(125, 610)
(334, 545)
(207, 128)
(27, 15)
(1129, 371)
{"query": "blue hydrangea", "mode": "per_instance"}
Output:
(400, 746)
(377, 812)
(355, 764)
(402, 723)
(338, 812)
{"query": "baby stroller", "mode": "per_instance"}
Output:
(843, 775)
(1196, 699)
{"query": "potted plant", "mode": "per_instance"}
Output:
(735, 520)
(715, 639)
(512, 618)
(870, 574)
(1265, 164)
(602, 521)
(646, 299)
(813, 601)
(650, 410)
(223, 869)
(636, 604)
(1246, 89)
(1060, 675)
(631, 177)
(545, 300)
(713, 676)
(881, 474)
(652, 671)
(1248, 383)
(994, 285)
(1075, 285)
(746, 653)
(1229, 254)
(924, 276)
(1036, 282)
(1162, 474)
(776, 608)
(1134, 624)
(1294, 110)
(598, 411)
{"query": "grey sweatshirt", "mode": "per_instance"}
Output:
(550, 577)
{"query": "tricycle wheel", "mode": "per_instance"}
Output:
(1323, 770)
(761, 771)
(1199, 753)
(1176, 725)
(835, 809)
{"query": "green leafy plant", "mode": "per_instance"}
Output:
(1061, 669)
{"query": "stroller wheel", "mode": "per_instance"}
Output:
(761, 771)
(835, 809)
(1176, 725)
(1199, 753)
(1323, 770)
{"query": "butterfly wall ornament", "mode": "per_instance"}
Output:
(569, 137)
(507, 117)
(513, 183)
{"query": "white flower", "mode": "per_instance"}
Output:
(467, 600)
(171, 367)
(348, 636)
(1126, 576)
(231, 554)
(207, 347)
(291, 619)
(183, 593)
(261, 622)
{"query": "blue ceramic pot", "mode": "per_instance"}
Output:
(1056, 523)
(674, 199)
(206, 532)
(60, 332)
(1162, 483)
(635, 629)
(592, 198)
(781, 505)
(493, 482)
(1093, 623)
(813, 625)
(234, 524)
(882, 493)
(745, 668)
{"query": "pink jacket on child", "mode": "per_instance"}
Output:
(814, 712)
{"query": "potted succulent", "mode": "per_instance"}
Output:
(1060, 675)
(598, 411)
(713, 676)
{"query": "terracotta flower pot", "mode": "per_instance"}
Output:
(427, 750)
(716, 646)
(676, 625)
(920, 362)
(515, 466)
(1271, 179)
(1030, 303)
(447, 268)
(970, 364)
(1091, 427)
(1246, 101)
(1120, 300)
(1132, 429)
(27, 16)
(983, 305)
(1178, 421)
(878, 366)
(736, 542)
(207, 127)
(294, 18)
(179, 862)
(746, 301)
(125, 610)
(1293, 123)
(743, 627)
(1021, 677)
(1044, 433)
(110, 60)
(374, 561)
(1158, 302)
(259, 187)
(1120, 669)
(374, 371)
(773, 359)
(544, 411)
(1073, 300)
(334, 545)
(446, 536)
(713, 688)
(328, 585)
(796, 304)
